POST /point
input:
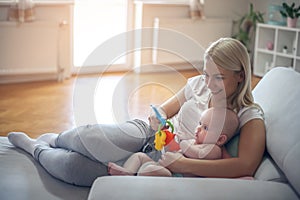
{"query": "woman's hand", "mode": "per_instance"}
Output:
(168, 109)
(153, 121)
(171, 160)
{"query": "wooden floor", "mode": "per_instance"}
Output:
(49, 106)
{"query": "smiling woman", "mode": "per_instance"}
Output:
(94, 23)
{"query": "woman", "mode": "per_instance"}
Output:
(228, 78)
(225, 83)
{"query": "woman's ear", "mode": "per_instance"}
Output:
(241, 76)
(222, 140)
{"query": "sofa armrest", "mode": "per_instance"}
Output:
(137, 187)
(278, 93)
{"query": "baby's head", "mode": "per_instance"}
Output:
(216, 126)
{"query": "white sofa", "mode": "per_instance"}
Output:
(277, 177)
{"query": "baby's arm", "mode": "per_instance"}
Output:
(200, 151)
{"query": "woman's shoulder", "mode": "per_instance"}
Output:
(196, 82)
(195, 86)
(199, 79)
(248, 113)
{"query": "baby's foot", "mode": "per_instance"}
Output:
(114, 169)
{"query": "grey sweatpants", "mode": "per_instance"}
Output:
(81, 154)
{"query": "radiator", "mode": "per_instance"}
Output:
(29, 48)
(202, 32)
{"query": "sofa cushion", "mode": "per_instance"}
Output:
(24, 178)
(269, 171)
(138, 187)
(278, 94)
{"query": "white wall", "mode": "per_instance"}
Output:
(228, 9)
(232, 9)
(51, 13)
(213, 9)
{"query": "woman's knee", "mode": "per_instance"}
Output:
(71, 167)
(80, 170)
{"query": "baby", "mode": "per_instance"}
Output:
(216, 127)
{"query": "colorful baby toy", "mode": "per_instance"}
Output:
(162, 137)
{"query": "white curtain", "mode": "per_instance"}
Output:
(22, 11)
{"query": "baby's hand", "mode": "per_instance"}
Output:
(173, 146)
(186, 144)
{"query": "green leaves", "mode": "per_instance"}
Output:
(290, 11)
(247, 24)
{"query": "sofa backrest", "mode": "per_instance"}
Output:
(278, 93)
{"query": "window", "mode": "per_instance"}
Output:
(96, 21)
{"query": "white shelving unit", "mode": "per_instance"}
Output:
(269, 48)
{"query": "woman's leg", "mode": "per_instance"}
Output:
(103, 143)
(22, 141)
(69, 166)
(106, 142)
(66, 165)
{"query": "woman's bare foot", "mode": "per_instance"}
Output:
(114, 169)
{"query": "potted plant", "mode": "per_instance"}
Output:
(291, 13)
(245, 29)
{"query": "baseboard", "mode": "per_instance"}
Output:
(5, 79)
(170, 67)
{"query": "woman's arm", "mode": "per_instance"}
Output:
(168, 109)
(172, 105)
(251, 150)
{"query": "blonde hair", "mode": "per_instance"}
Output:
(231, 54)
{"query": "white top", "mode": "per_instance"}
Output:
(197, 98)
